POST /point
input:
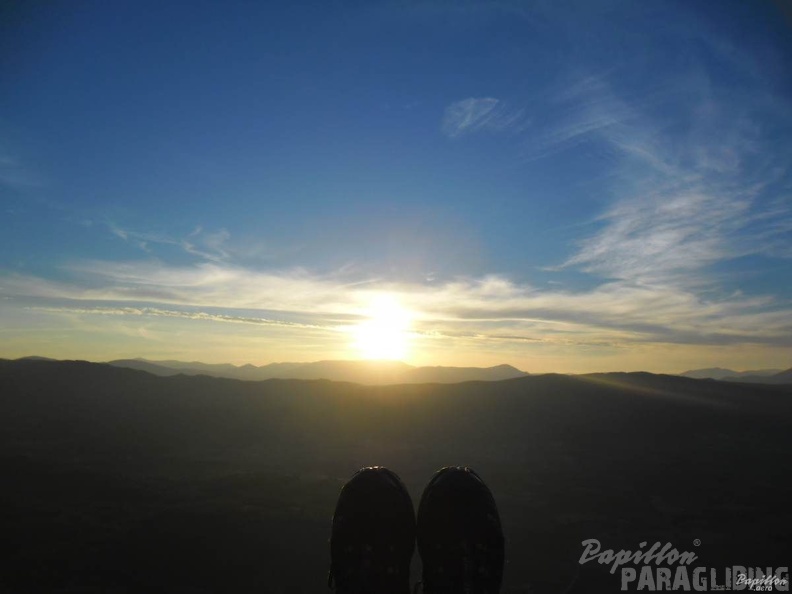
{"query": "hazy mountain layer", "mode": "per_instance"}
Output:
(361, 372)
(755, 376)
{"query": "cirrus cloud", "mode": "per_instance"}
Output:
(484, 114)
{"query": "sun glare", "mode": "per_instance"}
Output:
(385, 333)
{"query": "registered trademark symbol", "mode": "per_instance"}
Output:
(697, 542)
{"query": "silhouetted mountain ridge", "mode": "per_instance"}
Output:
(361, 372)
(754, 376)
(723, 373)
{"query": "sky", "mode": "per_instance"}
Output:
(556, 185)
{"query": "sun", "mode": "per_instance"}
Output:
(385, 334)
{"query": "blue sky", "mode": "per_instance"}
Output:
(563, 186)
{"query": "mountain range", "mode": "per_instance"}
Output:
(393, 372)
(359, 372)
(753, 376)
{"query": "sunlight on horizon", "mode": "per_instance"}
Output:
(385, 334)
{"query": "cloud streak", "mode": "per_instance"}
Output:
(188, 315)
(209, 246)
(484, 114)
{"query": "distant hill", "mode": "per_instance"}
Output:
(359, 372)
(143, 365)
(752, 377)
(719, 373)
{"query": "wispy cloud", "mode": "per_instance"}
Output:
(203, 284)
(170, 313)
(209, 246)
(672, 233)
(481, 115)
(706, 195)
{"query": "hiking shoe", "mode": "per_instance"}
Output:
(373, 535)
(460, 538)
